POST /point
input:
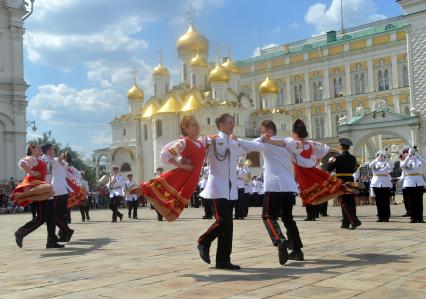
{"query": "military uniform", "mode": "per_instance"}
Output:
(344, 166)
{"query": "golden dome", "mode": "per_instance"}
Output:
(199, 61)
(218, 74)
(231, 67)
(170, 106)
(193, 103)
(149, 111)
(135, 93)
(161, 70)
(268, 86)
(192, 41)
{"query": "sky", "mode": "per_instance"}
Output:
(79, 54)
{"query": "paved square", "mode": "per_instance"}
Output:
(150, 259)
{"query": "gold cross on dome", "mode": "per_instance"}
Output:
(135, 73)
(160, 55)
(190, 14)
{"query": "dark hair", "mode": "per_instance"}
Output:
(45, 147)
(30, 147)
(68, 158)
(299, 128)
(221, 119)
(269, 124)
(160, 169)
(345, 147)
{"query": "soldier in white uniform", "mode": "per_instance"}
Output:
(281, 190)
(382, 184)
(221, 188)
(131, 199)
(242, 174)
(115, 185)
(208, 214)
(414, 183)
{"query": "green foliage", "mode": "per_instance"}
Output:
(78, 160)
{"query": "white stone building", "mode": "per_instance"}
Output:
(12, 88)
(367, 83)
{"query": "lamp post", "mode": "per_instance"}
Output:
(32, 124)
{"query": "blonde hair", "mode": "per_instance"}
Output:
(186, 122)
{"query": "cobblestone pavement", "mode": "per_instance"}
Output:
(150, 259)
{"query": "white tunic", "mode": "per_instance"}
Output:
(242, 173)
(278, 168)
(128, 185)
(115, 186)
(204, 176)
(57, 173)
(381, 174)
(222, 180)
(319, 150)
(413, 172)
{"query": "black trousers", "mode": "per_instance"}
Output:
(222, 229)
(382, 202)
(84, 210)
(348, 206)
(240, 204)
(114, 203)
(416, 200)
(323, 208)
(33, 209)
(207, 207)
(45, 213)
(281, 204)
(406, 198)
(133, 206)
(311, 211)
(61, 213)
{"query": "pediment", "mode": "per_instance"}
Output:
(380, 117)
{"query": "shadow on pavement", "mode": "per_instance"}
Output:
(89, 246)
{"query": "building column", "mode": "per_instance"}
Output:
(253, 92)
(288, 90)
(307, 97)
(370, 76)
(349, 109)
(309, 120)
(326, 85)
(348, 79)
(395, 81)
(396, 106)
(328, 119)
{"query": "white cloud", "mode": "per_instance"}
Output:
(256, 51)
(294, 25)
(355, 12)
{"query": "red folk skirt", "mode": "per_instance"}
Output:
(76, 196)
(27, 184)
(317, 186)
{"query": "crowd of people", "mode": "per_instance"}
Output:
(211, 170)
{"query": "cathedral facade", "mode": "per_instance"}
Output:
(364, 83)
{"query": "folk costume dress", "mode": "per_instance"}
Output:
(25, 193)
(316, 186)
(171, 191)
(77, 193)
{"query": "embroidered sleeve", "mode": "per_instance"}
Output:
(293, 146)
(320, 149)
(24, 161)
(172, 150)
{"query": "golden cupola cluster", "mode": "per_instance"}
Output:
(218, 74)
(160, 70)
(231, 67)
(198, 61)
(268, 86)
(192, 41)
(135, 93)
(170, 106)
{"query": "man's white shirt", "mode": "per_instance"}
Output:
(116, 188)
(57, 174)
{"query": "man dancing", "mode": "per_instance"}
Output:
(115, 185)
(281, 189)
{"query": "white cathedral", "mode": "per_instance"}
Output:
(365, 83)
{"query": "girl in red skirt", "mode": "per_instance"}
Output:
(316, 186)
(171, 191)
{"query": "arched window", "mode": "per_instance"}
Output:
(125, 167)
(315, 91)
(296, 94)
(158, 128)
(381, 81)
(362, 83)
(319, 90)
(193, 80)
(300, 94)
(336, 88)
(404, 76)
(145, 132)
(282, 96)
(322, 127)
(386, 79)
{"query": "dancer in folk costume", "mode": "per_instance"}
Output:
(171, 191)
(74, 180)
(33, 189)
(316, 186)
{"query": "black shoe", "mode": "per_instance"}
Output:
(420, 221)
(69, 235)
(413, 221)
(83, 220)
(204, 253)
(129, 216)
(88, 218)
(227, 266)
(385, 220)
(121, 217)
(309, 219)
(160, 219)
(136, 217)
(282, 251)
(54, 245)
(345, 226)
(204, 217)
(114, 220)
(62, 238)
(325, 215)
(296, 256)
(19, 239)
(355, 225)
(406, 215)
(379, 220)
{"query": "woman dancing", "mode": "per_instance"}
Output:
(171, 191)
(316, 186)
